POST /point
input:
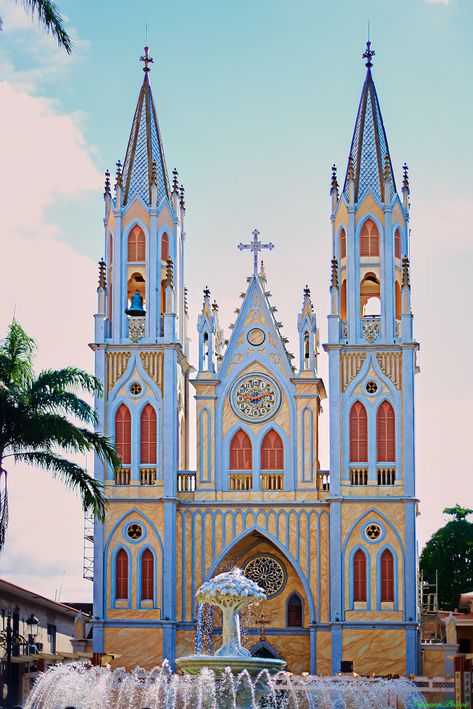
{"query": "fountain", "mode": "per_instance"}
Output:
(229, 679)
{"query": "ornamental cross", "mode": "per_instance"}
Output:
(147, 60)
(368, 55)
(255, 246)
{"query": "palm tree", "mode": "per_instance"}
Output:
(48, 15)
(35, 423)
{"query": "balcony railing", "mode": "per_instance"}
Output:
(148, 476)
(323, 481)
(359, 476)
(241, 481)
(122, 476)
(386, 476)
(272, 481)
(370, 328)
(186, 481)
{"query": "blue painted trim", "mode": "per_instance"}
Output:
(307, 476)
(205, 426)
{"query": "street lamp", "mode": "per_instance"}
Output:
(11, 641)
(33, 626)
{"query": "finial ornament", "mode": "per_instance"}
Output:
(118, 175)
(334, 278)
(147, 60)
(368, 55)
(182, 201)
(107, 192)
(351, 168)
(154, 174)
(102, 274)
(406, 281)
(175, 183)
(405, 177)
(215, 307)
(170, 272)
(186, 301)
(255, 246)
(334, 183)
(387, 168)
(206, 293)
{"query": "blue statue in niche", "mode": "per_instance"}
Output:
(136, 306)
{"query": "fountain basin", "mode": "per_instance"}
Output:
(193, 664)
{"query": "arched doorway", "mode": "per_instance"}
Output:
(264, 649)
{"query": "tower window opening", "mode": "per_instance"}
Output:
(387, 577)
(164, 247)
(397, 293)
(359, 576)
(136, 246)
(294, 611)
(369, 239)
(147, 575)
(206, 350)
(306, 351)
(240, 452)
(386, 433)
(121, 575)
(370, 292)
(358, 433)
(136, 282)
(163, 297)
(148, 435)
(272, 452)
(343, 244)
(123, 434)
(343, 300)
(397, 244)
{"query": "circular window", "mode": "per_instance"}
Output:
(371, 387)
(136, 388)
(256, 337)
(267, 572)
(373, 531)
(134, 531)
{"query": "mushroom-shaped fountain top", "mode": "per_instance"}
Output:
(230, 589)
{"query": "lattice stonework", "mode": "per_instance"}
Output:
(267, 572)
(390, 364)
(116, 364)
(153, 363)
(350, 366)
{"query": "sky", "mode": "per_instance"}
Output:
(256, 100)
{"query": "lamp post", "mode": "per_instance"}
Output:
(11, 641)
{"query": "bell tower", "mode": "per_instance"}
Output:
(371, 383)
(141, 355)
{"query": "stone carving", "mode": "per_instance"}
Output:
(136, 328)
(370, 328)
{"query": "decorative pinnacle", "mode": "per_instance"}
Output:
(186, 300)
(406, 281)
(368, 55)
(255, 246)
(170, 272)
(215, 307)
(405, 177)
(182, 201)
(175, 184)
(334, 279)
(334, 183)
(206, 293)
(154, 174)
(107, 192)
(351, 168)
(147, 60)
(387, 168)
(102, 274)
(118, 175)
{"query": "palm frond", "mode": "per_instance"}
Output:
(16, 357)
(75, 477)
(67, 379)
(50, 18)
(63, 402)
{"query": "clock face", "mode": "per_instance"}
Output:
(255, 397)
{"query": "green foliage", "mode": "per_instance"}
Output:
(450, 552)
(48, 15)
(35, 420)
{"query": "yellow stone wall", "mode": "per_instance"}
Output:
(134, 647)
(375, 651)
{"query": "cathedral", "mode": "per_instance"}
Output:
(334, 551)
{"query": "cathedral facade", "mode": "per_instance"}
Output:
(334, 550)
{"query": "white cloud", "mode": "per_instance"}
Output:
(437, 2)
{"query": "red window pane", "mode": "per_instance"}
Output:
(240, 452)
(369, 239)
(123, 434)
(148, 435)
(358, 434)
(147, 575)
(136, 245)
(272, 452)
(294, 611)
(386, 433)
(387, 577)
(343, 244)
(164, 247)
(397, 244)
(359, 576)
(121, 575)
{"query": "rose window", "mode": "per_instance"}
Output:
(373, 531)
(372, 387)
(134, 531)
(136, 389)
(267, 572)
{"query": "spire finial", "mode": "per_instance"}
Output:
(182, 200)
(255, 246)
(405, 177)
(107, 192)
(147, 60)
(334, 279)
(206, 293)
(368, 55)
(154, 174)
(334, 183)
(387, 168)
(215, 306)
(175, 182)
(102, 274)
(351, 168)
(119, 174)
(406, 281)
(170, 272)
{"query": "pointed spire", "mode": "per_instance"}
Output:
(334, 183)
(170, 272)
(307, 307)
(334, 275)
(186, 301)
(144, 146)
(118, 175)
(405, 178)
(175, 181)
(182, 201)
(406, 281)
(369, 146)
(107, 191)
(262, 273)
(215, 306)
(102, 274)
(387, 168)
(206, 307)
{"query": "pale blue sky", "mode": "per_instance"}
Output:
(256, 100)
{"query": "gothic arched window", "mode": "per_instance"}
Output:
(343, 244)
(359, 576)
(123, 434)
(136, 245)
(147, 575)
(387, 577)
(272, 452)
(358, 433)
(148, 435)
(164, 247)
(294, 611)
(398, 298)
(121, 575)
(343, 300)
(369, 239)
(397, 243)
(386, 433)
(240, 452)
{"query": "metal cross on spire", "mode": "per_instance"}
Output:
(255, 246)
(146, 59)
(368, 55)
